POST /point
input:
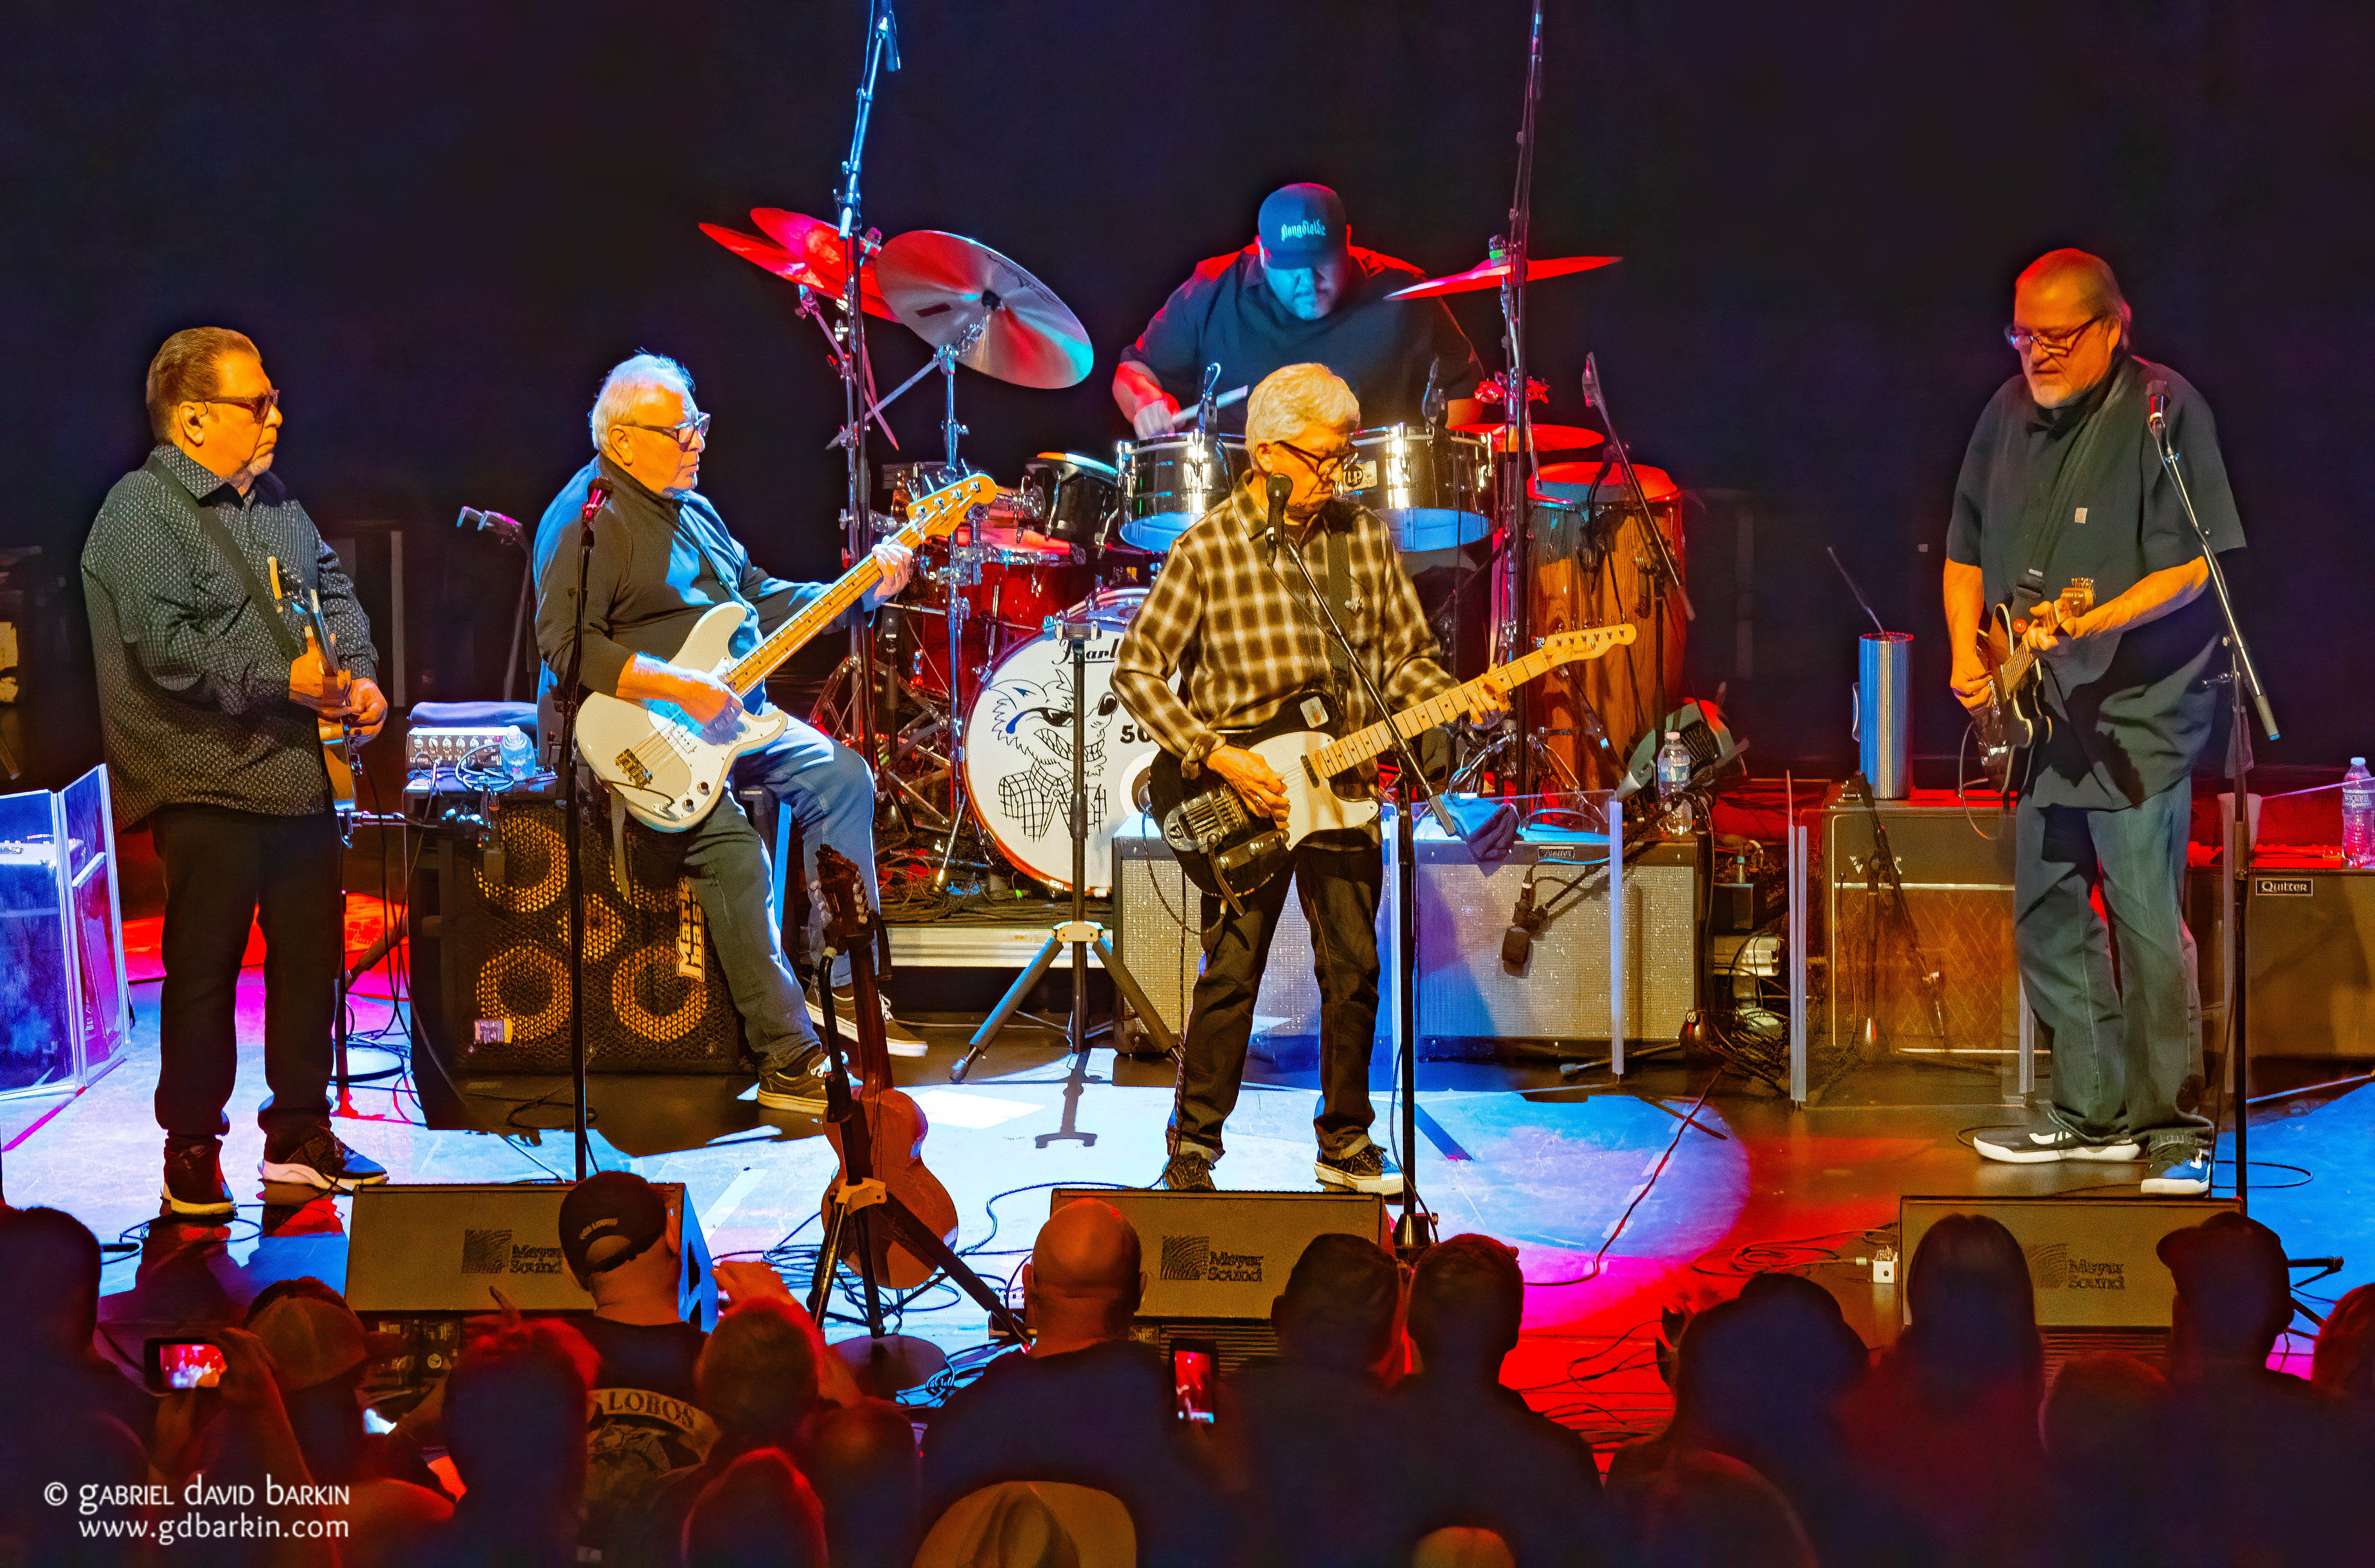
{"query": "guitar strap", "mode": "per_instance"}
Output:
(1339, 578)
(2074, 476)
(213, 530)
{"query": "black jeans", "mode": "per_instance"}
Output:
(224, 869)
(1339, 877)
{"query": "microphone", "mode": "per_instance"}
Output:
(2157, 405)
(1431, 402)
(1592, 385)
(1278, 489)
(471, 518)
(596, 494)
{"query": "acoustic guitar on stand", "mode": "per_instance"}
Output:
(2013, 717)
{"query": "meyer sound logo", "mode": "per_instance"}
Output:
(1193, 1259)
(2052, 1268)
(494, 1252)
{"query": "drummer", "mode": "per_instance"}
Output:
(1301, 293)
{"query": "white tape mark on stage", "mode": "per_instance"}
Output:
(961, 1109)
(730, 1199)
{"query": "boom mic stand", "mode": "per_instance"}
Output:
(565, 699)
(858, 371)
(1519, 465)
(2242, 678)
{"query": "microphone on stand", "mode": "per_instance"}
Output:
(596, 494)
(471, 518)
(1591, 385)
(1431, 402)
(1277, 488)
(2157, 406)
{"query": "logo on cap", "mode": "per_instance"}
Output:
(1307, 229)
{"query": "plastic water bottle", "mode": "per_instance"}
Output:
(1673, 777)
(2359, 815)
(518, 753)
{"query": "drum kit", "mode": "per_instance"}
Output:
(972, 702)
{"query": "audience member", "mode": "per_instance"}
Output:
(1704, 1510)
(1461, 1546)
(2344, 1364)
(625, 1248)
(1946, 1428)
(1523, 1477)
(757, 1512)
(1032, 1524)
(2103, 1426)
(516, 1426)
(1305, 1433)
(861, 1459)
(2275, 1473)
(1086, 1404)
(319, 1353)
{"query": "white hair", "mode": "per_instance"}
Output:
(629, 377)
(1295, 395)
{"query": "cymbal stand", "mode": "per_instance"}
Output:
(1518, 471)
(964, 571)
(1082, 934)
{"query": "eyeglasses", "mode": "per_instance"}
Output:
(1326, 467)
(684, 435)
(259, 407)
(2060, 340)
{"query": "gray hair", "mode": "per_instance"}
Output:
(629, 377)
(1295, 395)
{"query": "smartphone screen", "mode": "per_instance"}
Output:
(185, 1363)
(1195, 1379)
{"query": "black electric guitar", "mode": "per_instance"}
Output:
(1228, 851)
(2013, 715)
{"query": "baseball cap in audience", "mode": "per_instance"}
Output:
(312, 1334)
(608, 1205)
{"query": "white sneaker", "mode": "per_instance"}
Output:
(901, 1040)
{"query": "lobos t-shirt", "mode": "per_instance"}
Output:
(642, 1419)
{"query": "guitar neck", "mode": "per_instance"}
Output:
(1378, 738)
(821, 612)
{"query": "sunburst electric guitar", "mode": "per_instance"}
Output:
(1228, 851)
(668, 768)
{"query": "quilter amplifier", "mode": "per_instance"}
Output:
(2312, 961)
(1470, 1000)
(1214, 1261)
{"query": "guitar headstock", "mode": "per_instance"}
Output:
(1587, 641)
(937, 514)
(849, 918)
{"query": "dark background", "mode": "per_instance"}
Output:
(442, 222)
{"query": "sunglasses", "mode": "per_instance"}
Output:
(684, 435)
(259, 407)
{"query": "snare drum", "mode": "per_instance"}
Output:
(1170, 481)
(1018, 747)
(1072, 499)
(1429, 489)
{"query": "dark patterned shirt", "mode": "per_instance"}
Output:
(192, 685)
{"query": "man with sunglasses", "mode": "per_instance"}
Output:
(210, 701)
(1232, 618)
(2062, 482)
(662, 559)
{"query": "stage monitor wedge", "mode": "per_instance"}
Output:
(2090, 1257)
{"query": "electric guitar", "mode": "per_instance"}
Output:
(2013, 715)
(1228, 851)
(668, 768)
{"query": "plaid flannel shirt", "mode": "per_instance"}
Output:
(1243, 630)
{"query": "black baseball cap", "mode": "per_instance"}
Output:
(1301, 225)
(611, 1203)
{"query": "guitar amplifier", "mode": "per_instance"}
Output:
(489, 953)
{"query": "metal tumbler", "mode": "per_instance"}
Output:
(1878, 701)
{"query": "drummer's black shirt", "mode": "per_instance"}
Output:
(1381, 347)
(2131, 713)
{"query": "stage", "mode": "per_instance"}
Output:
(1548, 1163)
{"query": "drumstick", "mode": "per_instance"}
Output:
(1188, 413)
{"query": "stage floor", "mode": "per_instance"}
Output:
(1548, 1163)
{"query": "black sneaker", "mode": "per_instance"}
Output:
(1190, 1169)
(1365, 1169)
(194, 1178)
(321, 1159)
(797, 1085)
(2180, 1168)
(2045, 1141)
(897, 1038)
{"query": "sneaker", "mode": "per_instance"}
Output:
(194, 1178)
(2045, 1141)
(901, 1040)
(320, 1160)
(1365, 1169)
(1190, 1169)
(2178, 1169)
(798, 1085)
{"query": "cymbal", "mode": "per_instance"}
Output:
(1547, 438)
(941, 286)
(1656, 485)
(1488, 275)
(766, 253)
(817, 244)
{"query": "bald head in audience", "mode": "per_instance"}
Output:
(1082, 1284)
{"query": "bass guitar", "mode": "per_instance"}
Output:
(1228, 851)
(668, 768)
(2014, 716)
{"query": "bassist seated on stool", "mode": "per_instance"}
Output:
(1231, 615)
(661, 559)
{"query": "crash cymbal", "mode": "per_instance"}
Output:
(1547, 438)
(817, 244)
(1656, 485)
(1488, 275)
(942, 286)
(766, 253)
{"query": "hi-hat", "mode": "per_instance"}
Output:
(1547, 438)
(942, 286)
(1488, 275)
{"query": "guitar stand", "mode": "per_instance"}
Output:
(884, 1364)
(1082, 935)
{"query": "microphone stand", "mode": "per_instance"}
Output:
(2242, 676)
(1414, 1231)
(565, 702)
(1511, 634)
(881, 47)
(1664, 571)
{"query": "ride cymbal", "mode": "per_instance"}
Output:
(942, 286)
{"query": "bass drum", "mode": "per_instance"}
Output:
(1018, 744)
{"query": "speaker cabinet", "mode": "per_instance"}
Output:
(490, 958)
(2091, 1258)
